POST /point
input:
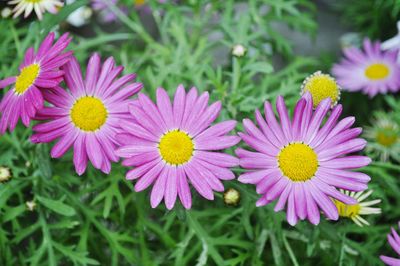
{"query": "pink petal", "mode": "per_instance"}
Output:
(92, 73)
(158, 191)
(217, 143)
(254, 177)
(217, 130)
(80, 156)
(291, 210)
(63, 144)
(273, 124)
(164, 104)
(171, 188)
(183, 188)
(179, 106)
(148, 178)
(349, 162)
(7, 81)
(217, 158)
(280, 205)
(198, 182)
(142, 169)
(93, 150)
(284, 116)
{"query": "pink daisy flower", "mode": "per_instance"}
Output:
(301, 162)
(394, 241)
(37, 71)
(172, 144)
(369, 70)
(88, 115)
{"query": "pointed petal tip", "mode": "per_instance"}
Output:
(292, 222)
(187, 205)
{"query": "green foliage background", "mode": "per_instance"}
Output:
(98, 219)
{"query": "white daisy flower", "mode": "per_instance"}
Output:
(354, 212)
(393, 43)
(383, 138)
(80, 16)
(39, 6)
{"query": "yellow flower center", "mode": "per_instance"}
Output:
(33, 1)
(176, 147)
(26, 78)
(89, 113)
(377, 71)
(139, 2)
(345, 210)
(322, 86)
(387, 137)
(298, 162)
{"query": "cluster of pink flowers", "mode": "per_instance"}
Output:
(301, 161)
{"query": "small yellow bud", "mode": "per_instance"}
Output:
(231, 197)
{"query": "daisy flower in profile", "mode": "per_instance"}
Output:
(394, 241)
(172, 144)
(88, 115)
(321, 86)
(369, 70)
(383, 137)
(39, 6)
(301, 162)
(37, 71)
(355, 211)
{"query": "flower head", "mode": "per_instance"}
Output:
(355, 211)
(170, 144)
(301, 162)
(394, 241)
(37, 71)
(368, 70)
(383, 137)
(321, 86)
(39, 6)
(88, 115)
